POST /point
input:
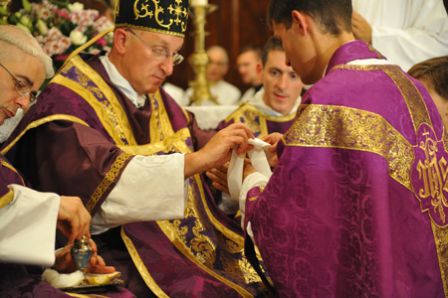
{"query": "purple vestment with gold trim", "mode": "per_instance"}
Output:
(357, 205)
(64, 145)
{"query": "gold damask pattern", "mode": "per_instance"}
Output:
(414, 100)
(99, 96)
(255, 119)
(440, 238)
(348, 128)
(110, 178)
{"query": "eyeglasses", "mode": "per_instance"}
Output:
(160, 52)
(23, 87)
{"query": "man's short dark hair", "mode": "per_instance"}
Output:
(334, 16)
(250, 48)
(273, 44)
(433, 71)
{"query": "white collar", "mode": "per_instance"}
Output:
(121, 83)
(258, 102)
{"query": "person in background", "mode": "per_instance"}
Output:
(359, 193)
(28, 218)
(406, 32)
(105, 130)
(433, 73)
(217, 69)
(250, 68)
(271, 110)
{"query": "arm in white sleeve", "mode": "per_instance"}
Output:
(253, 180)
(424, 35)
(150, 188)
(28, 227)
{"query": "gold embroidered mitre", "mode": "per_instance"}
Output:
(163, 16)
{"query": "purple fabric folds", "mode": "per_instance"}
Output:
(345, 212)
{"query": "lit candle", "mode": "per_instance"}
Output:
(199, 2)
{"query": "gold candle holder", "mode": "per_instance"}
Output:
(199, 59)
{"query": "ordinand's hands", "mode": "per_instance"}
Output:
(65, 264)
(219, 149)
(218, 176)
(361, 28)
(73, 219)
(271, 152)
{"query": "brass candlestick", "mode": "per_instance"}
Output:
(199, 59)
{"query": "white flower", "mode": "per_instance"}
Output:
(76, 7)
(77, 37)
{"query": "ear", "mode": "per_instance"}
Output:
(259, 68)
(120, 41)
(300, 22)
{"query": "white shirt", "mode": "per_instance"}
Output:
(150, 187)
(406, 31)
(226, 94)
(248, 95)
(28, 227)
(175, 92)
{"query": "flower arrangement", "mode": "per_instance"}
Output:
(60, 27)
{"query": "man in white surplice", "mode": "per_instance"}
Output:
(29, 218)
(405, 31)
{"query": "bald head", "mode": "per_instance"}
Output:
(14, 39)
(218, 64)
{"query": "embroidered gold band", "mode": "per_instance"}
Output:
(6, 198)
(110, 178)
(348, 128)
(149, 280)
(34, 124)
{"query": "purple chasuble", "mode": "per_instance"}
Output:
(357, 205)
(68, 148)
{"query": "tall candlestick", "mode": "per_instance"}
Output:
(199, 2)
(199, 59)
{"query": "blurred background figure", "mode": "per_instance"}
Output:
(218, 67)
(406, 32)
(433, 73)
(177, 93)
(250, 68)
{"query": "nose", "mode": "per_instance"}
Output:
(23, 101)
(167, 66)
(282, 81)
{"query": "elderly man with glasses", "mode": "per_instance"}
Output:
(28, 218)
(105, 131)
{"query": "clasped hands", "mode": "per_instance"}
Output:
(218, 175)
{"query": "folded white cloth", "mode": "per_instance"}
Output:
(259, 161)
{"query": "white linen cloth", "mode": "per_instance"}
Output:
(28, 227)
(406, 31)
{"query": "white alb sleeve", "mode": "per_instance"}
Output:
(28, 227)
(253, 180)
(150, 188)
(424, 35)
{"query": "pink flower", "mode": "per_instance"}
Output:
(63, 13)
